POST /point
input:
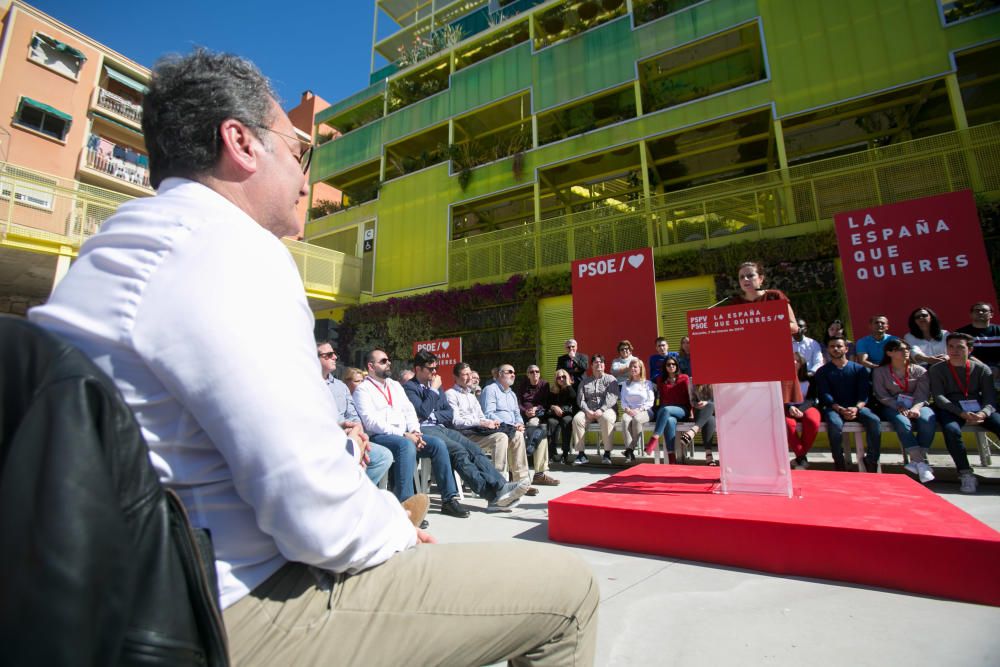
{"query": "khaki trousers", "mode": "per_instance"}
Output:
(432, 605)
(541, 456)
(607, 420)
(513, 457)
(632, 428)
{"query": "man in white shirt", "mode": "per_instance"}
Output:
(507, 451)
(190, 302)
(391, 421)
(809, 348)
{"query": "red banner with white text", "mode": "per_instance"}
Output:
(614, 298)
(449, 353)
(924, 252)
(744, 343)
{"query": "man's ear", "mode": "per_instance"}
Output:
(240, 147)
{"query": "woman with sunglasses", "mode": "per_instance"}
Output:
(637, 397)
(803, 412)
(561, 408)
(619, 365)
(903, 391)
(674, 391)
(926, 337)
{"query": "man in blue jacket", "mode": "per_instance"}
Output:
(467, 459)
(843, 388)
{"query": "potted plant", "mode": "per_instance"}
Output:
(611, 5)
(587, 10)
(554, 20)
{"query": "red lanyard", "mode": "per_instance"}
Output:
(387, 394)
(968, 373)
(905, 387)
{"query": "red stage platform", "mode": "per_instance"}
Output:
(876, 530)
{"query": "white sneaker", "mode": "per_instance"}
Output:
(969, 483)
(912, 467)
(510, 493)
(925, 473)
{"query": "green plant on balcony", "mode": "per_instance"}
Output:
(611, 5)
(587, 11)
(554, 20)
(405, 91)
(361, 193)
(961, 9)
(324, 207)
(369, 115)
(650, 10)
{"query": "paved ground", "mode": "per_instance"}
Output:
(661, 611)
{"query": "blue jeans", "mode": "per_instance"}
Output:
(951, 426)
(405, 453)
(924, 425)
(835, 433)
(468, 460)
(379, 463)
(666, 421)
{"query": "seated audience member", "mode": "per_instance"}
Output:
(870, 350)
(619, 365)
(637, 398)
(597, 398)
(684, 357)
(573, 362)
(474, 384)
(507, 448)
(559, 419)
(391, 421)
(657, 359)
(532, 394)
(804, 412)
(964, 394)
(903, 390)
(436, 416)
(810, 349)
(189, 301)
(985, 336)
(926, 338)
(703, 416)
(375, 459)
(500, 404)
(842, 388)
(352, 378)
(833, 330)
(674, 404)
(405, 375)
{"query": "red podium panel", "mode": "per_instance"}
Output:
(746, 343)
(874, 530)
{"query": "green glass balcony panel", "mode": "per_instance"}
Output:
(595, 60)
(408, 254)
(343, 218)
(417, 116)
(823, 52)
(383, 73)
(492, 79)
(354, 100)
(690, 24)
(361, 145)
(973, 31)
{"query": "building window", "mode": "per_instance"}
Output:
(55, 55)
(43, 118)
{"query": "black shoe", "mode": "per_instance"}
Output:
(424, 525)
(606, 457)
(629, 455)
(452, 508)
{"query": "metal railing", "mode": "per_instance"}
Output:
(752, 206)
(120, 169)
(47, 214)
(119, 105)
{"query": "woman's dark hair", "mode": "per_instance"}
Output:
(826, 333)
(802, 373)
(189, 97)
(935, 330)
(892, 346)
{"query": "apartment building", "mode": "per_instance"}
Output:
(499, 138)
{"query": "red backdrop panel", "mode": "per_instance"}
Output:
(614, 297)
(923, 252)
(745, 343)
(449, 353)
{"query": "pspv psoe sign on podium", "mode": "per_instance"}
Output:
(745, 352)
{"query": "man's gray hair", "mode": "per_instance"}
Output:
(570, 341)
(189, 97)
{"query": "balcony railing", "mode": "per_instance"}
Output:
(118, 167)
(48, 214)
(807, 195)
(119, 105)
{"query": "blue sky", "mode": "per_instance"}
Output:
(306, 45)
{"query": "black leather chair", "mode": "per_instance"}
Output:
(98, 563)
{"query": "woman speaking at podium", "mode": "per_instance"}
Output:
(751, 279)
